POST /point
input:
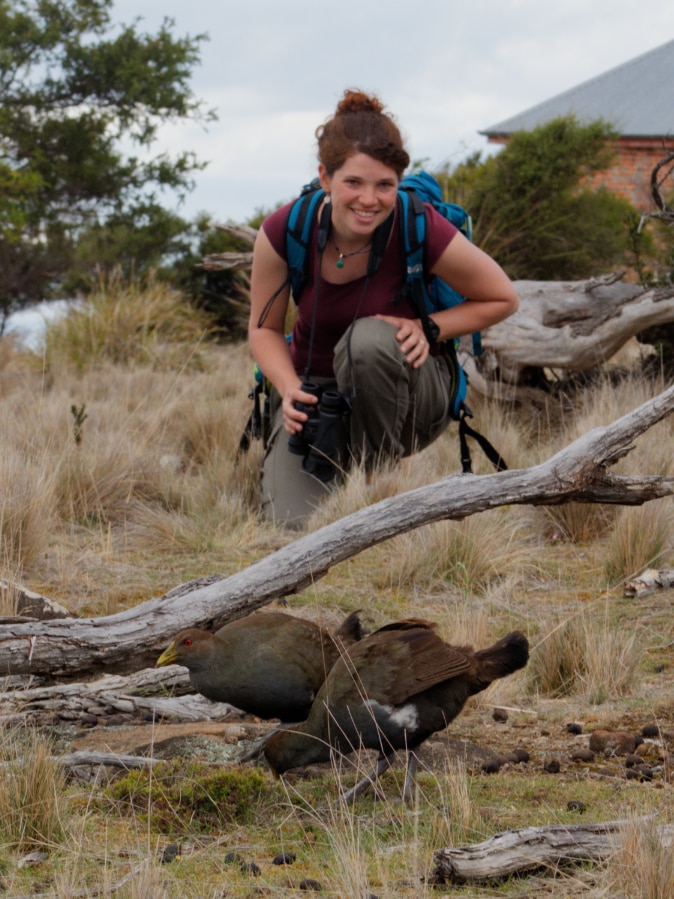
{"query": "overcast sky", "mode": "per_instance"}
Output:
(275, 69)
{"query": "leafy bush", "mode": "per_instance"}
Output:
(534, 211)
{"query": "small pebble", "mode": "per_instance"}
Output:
(552, 766)
(115, 720)
(284, 858)
(250, 868)
(500, 715)
(574, 728)
(582, 754)
(88, 721)
(170, 853)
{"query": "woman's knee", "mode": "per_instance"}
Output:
(369, 346)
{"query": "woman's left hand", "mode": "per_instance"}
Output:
(410, 335)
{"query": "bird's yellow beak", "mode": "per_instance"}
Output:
(168, 657)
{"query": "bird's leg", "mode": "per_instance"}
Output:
(384, 762)
(410, 773)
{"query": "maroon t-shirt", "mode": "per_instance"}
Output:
(338, 305)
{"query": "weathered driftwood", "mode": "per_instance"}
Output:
(145, 691)
(573, 325)
(83, 758)
(132, 639)
(518, 851)
(649, 581)
(222, 262)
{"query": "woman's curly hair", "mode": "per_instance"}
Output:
(360, 125)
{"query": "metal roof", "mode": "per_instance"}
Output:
(637, 98)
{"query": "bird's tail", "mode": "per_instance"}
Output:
(503, 658)
(350, 630)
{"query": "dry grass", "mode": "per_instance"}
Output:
(643, 866)
(586, 655)
(33, 808)
(117, 486)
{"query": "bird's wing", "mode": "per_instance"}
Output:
(391, 666)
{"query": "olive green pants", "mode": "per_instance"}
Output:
(396, 411)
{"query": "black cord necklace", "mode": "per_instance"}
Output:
(342, 256)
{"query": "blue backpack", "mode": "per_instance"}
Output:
(439, 295)
(427, 293)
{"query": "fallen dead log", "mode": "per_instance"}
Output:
(649, 581)
(529, 848)
(83, 758)
(572, 325)
(132, 639)
(146, 691)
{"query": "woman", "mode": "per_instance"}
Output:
(353, 330)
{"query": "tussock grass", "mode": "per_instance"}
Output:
(643, 866)
(468, 555)
(642, 537)
(33, 808)
(585, 655)
(28, 510)
(144, 322)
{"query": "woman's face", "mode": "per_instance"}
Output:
(363, 193)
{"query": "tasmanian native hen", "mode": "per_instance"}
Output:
(392, 691)
(268, 664)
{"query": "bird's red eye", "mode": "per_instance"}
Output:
(187, 642)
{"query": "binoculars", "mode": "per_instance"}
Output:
(323, 440)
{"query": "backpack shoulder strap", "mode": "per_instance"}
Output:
(413, 232)
(301, 220)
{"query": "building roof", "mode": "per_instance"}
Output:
(637, 98)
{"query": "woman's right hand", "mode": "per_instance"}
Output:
(294, 418)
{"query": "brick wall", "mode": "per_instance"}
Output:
(630, 175)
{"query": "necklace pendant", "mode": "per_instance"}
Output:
(340, 263)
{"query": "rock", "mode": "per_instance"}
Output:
(492, 766)
(284, 858)
(582, 754)
(650, 730)
(309, 884)
(500, 715)
(574, 728)
(169, 854)
(552, 766)
(612, 742)
(575, 805)
(250, 868)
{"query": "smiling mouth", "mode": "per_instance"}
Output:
(361, 213)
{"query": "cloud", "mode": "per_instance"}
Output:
(447, 70)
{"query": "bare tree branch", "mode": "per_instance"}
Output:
(132, 639)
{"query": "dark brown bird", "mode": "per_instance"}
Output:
(392, 691)
(268, 664)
